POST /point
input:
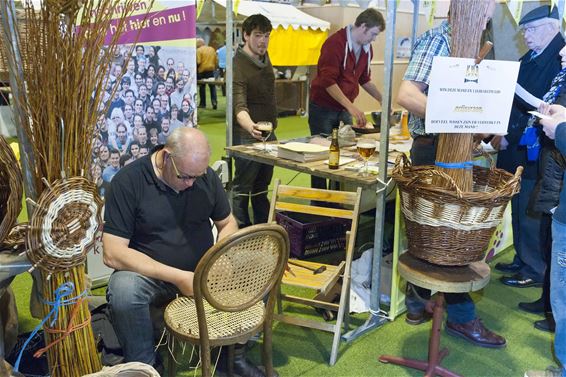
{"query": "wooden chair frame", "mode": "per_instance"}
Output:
(284, 199)
(202, 293)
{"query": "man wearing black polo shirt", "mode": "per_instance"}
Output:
(157, 227)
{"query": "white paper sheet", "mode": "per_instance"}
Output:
(527, 97)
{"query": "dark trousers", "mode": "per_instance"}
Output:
(546, 247)
(459, 306)
(250, 184)
(322, 121)
(526, 233)
(202, 89)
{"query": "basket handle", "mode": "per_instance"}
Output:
(488, 157)
(511, 186)
(400, 162)
(452, 184)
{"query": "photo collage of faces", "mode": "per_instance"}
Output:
(154, 93)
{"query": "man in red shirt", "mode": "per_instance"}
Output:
(344, 66)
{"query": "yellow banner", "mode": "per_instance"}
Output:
(200, 5)
(515, 7)
(295, 47)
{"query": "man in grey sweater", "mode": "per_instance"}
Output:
(254, 101)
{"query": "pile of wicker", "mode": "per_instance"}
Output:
(445, 225)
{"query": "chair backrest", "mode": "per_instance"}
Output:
(320, 202)
(242, 268)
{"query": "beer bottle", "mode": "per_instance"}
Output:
(334, 153)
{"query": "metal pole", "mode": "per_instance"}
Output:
(9, 35)
(229, 71)
(375, 320)
(416, 4)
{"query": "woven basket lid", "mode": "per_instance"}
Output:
(64, 225)
(10, 188)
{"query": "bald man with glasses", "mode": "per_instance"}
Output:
(156, 228)
(541, 33)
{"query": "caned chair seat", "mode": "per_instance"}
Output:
(181, 318)
(235, 285)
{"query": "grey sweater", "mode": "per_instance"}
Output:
(254, 89)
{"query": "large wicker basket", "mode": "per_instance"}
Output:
(446, 226)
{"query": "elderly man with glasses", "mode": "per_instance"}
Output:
(541, 32)
(156, 228)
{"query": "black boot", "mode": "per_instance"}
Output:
(242, 367)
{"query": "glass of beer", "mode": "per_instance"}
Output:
(266, 129)
(366, 149)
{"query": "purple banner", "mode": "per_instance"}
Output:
(165, 25)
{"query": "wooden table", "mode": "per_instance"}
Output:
(316, 168)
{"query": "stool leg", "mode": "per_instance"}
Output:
(434, 340)
(432, 366)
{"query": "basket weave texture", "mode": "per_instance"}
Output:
(64, 225)
(10, 188)
(446, 226)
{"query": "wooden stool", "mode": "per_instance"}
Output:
(461, 279)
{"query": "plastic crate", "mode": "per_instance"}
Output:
(312, 235)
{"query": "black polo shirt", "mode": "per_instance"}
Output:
(172, 228)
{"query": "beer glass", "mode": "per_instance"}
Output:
(366, 149)
(266, 129)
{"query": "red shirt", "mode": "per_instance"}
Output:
(337, 65)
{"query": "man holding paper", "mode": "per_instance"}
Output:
(541, 32)
(462, 320)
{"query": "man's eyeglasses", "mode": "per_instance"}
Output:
(531, 29)
(182, 177)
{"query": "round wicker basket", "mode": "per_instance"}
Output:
(10, 188)
(446, 226)
(64, 225)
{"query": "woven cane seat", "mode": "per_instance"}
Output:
(231, 284)
(181, 318)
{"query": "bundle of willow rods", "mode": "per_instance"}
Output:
(57, 92)
(467, 25)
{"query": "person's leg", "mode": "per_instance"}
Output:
(201, 91)
(260, 199)
(245, 174)
(212, 87)
(527, 235)
(558, 290)
(459, 307)
(129, 297)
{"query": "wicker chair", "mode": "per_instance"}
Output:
(319, 202)
(230, 284)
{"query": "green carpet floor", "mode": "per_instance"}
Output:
(302, 352)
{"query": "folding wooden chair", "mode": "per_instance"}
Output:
(319, 202)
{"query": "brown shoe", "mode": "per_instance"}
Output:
(418, 318)
(475, 332)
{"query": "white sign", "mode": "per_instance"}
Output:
(467, 98)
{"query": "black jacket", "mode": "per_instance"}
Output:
(535, 75)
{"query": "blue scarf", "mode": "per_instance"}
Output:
(531, 134)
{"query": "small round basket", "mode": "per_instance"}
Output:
(10, 188)
(64, 225)
(446, 226)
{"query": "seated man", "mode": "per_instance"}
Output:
(157, 227)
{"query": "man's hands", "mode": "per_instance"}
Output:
(358, 116)
(256, 134)
(558, 114)
(184, 281)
